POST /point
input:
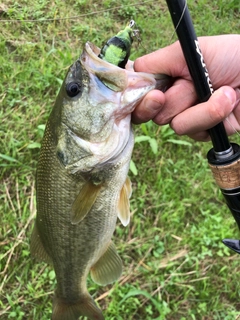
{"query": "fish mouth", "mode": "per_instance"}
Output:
(112, 76)
(107, 71)
(131, 85)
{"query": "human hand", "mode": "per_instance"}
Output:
(222, 57)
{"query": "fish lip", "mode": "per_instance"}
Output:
(113, 77)
(93, 51)
(92, 48)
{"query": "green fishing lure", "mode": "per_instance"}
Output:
(117, 49)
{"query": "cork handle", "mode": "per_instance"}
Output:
(227, 176)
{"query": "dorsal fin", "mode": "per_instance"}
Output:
(123, 203)
(84, 201)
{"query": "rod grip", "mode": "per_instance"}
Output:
(227, 176)
(226, 173)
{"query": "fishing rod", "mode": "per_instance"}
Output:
(224, 157)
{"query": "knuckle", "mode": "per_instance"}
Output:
(161, 121)
(178, 127)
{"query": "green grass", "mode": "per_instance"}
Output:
(175, 266)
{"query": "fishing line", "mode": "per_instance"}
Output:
(136, 4)
(180, 19)
(234, 129)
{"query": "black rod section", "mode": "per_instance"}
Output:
(197, 67)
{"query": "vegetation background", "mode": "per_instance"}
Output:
(175, 266)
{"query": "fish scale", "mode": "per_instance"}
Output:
(60, 202)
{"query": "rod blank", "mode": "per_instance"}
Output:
(197, 67)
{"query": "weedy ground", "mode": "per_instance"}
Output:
(175, 266)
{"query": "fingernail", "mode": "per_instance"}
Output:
(231, 95)
(153, 106)
(237, 96)
(136, 63)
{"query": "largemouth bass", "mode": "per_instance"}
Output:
(82, 184)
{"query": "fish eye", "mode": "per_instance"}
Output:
(73, 88)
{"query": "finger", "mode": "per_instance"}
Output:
(149, 107)
(168, 60)
(200, 136)
(179, 97)
(232, 122)
(205, 115)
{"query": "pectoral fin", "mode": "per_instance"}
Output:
(84, 201)
(123, 204)
(36, 247)
(108, 268)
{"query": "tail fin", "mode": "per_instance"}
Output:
(63, 310)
